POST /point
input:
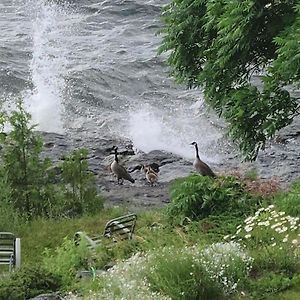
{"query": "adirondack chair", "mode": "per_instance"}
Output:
(121, 228)
(10, 250)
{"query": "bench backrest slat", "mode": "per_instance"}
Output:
(122, 226)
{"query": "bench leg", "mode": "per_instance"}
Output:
(18, 253)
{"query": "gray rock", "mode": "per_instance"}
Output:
(279, 159)
(51, 296)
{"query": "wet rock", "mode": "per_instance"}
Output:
(279, 159)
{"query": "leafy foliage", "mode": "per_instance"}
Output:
(290, 202)
(274, 236)
(155, 234)
(24, 171)
(29, 184)
(28, 283)
(196, 197)
(272, 283)
(66, 260)
(218, 45)
(80, 193)
(180, 275)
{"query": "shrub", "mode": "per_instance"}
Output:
(272, 283)
(228, 264)
(28, 283)
(268, 227)
(10, 218)
(274, 236)
(25, 172)
(280, 259)
(191, 273)
(66, 260)
(196, 197)
(106, 253)
(127, 280)
(29, 183)
(175, 272)
(79, 187)
(290, 202)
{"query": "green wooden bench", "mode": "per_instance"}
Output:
(121, 228)
(10, 250)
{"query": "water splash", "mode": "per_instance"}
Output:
(48, 65)
(172, 131)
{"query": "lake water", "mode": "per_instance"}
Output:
(91, 68)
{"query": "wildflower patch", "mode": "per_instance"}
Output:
(268, 227)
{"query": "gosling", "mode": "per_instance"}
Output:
(120, 172)
(151, 176)
(200, 166)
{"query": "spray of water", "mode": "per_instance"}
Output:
(48, 65)
(172, 131)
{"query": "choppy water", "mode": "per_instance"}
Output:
(90, 67)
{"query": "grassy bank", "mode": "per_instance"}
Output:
(215, 240)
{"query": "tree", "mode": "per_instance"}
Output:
(24, 171)
(30, 184)
(218, 45)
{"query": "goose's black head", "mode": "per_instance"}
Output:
(115, 151)
(193, 143)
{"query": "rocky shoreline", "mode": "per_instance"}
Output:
(279, 160)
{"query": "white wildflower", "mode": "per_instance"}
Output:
(248, 228)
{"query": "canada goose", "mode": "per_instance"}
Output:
(151, 175)
(119, 170)
(201, 166)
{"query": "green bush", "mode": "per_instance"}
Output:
(229, 264)
(66, 260)
(28, 283)
(267, 226)
(273, 238)
(214, 272)
(10, 219)
(126, 280)
(271, 284)
(283, 260)
(22, 167)
(79, 187)
(29, 183)
(197, 197)
(177, 275)
(106, 253)
(290, 201)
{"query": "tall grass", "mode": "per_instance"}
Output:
(289, 202)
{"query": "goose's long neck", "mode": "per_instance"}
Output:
(116, 156)
(197, 152)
